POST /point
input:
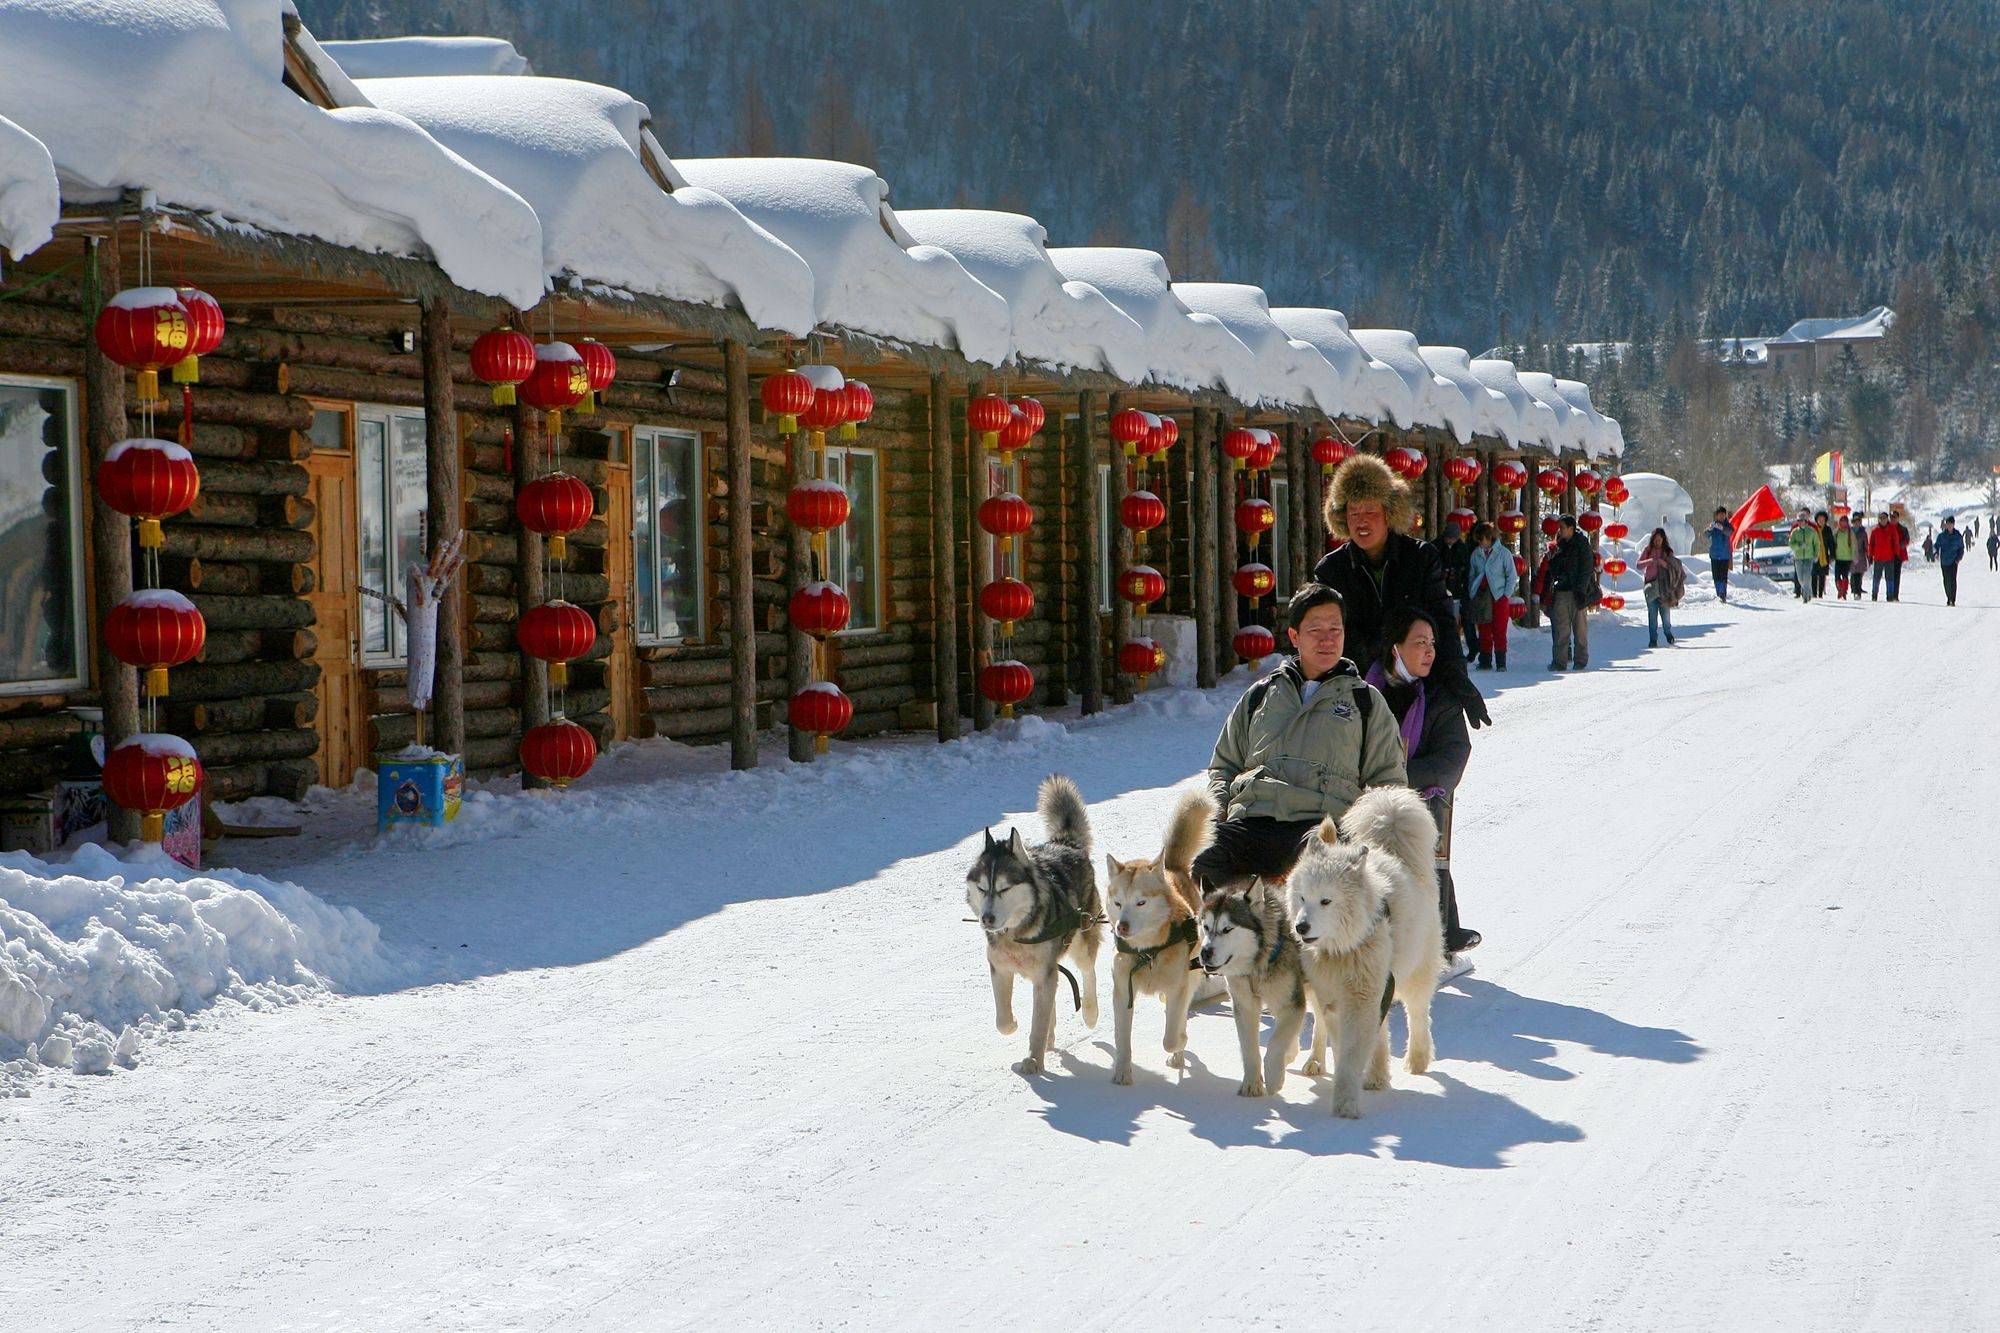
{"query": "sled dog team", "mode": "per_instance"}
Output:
(1355, 925)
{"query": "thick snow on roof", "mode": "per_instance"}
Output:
(1290, 371)
(1533, 422)
(1599, 439)
(29, 198)
(1851, 328)
(869, 274)
(1374, 391)
(573, 151)
(420, 57)
(185, 98)
(1487, 411)
(1184, 350)
(1572, 430)
(1433, 401)
(1063, 324)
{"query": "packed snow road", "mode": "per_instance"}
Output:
(702, 1051)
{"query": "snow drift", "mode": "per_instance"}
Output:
(1184, 350)
(421, 57)
(29, 199)
(96, 954)
(1290, 372)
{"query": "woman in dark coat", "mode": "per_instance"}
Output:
(1435, 741)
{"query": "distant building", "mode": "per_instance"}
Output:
(1808, 347)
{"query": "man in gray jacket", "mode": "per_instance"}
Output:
(1300, 744)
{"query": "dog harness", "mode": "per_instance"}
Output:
(1184, 932)
(1066, 921)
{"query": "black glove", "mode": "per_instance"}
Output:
(1476, 715)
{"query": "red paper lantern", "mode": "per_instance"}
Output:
(786, 395)
(1510, 474)
(503, 358)
(600, 365)
(558, 382)
(148, 480)
(1255, 581)
(1330, 451)
(1465, 519)
(1006, 516)
(828, 409)
(144, 329)
(1462, 470)
(1615, 567)
(1142, 511)
(1160, 438)
(1586, 481)
(1007, 600)
(860, 406)
(1129, 428)
(1268, 446)
(1016, 434)
(1617, 532)
(1141, 657)
(1512, 522)
(555, 505)
(1255, 518)
(1590, 520)
(152, 774)
(822, 710)
(1616, 491)
(1253, 643)
(1517, 606)
(155, 629)
(1552, 480)
(818, 506)
(556, 632)
(558, 752)
(1141, 585)
(1520, 567)
(1551, 525)
(820, 609)
(205, 328)
(989, 414)
(1037, 414)
(1611, 601)
(1239, 446)
(1007, 683)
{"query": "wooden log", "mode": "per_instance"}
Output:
(1121, 558)
(237, 747)
(56, 325)
(530, 583)
(678, 724)
(240, 407)
(285, 712)
(256, 343)
(394, 390)
(111, 551)
(274, 545)
(742, 578)
(245, 645)
(944, 580)
(798, 570)
(253, 612)
(1225, 538)
(242, 475)
(198, 681)
(981, 564)
(494, 693)
(25, 733)
(1204, 446)
(1296, 544)
(230, 509)
(1088, 587)
(441, 489)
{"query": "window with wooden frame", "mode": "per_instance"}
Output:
(42, 614)
(393, 495)
(854, 550)
(1107, 522)
(669, 536)
(1006, 476)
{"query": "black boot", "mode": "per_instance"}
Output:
(1485, 661)
(1500, 660)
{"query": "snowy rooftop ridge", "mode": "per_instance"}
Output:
(1433, 401)
(869, 274)
(1487, 411)
(30, 198)
(1601, 441)
(1535, 422)
(428, 57)
(1373, 390)
(243, 146)
(1062, 324)
(1572, 427)
(1290, 372)
(1184, 350)
(578, 153)
(1875, 323)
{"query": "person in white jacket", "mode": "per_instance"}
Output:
(1490, 581)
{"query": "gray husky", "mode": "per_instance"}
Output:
(1037, 906)
(1247, 940)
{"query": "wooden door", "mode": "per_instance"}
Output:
(621, 667)
(336, 607)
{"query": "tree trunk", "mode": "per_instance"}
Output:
(982, 566)
(441, 479)
(1226, 558)
(530, 581)
(111, 549)
(799, 570)
(944, 564)
(742, 576)
(1121, 552)
(1090, 586)
(1296, 539)
(1202, 545)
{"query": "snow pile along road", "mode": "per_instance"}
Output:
(94, 954)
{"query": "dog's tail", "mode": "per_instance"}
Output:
(1394, 820)
(1190, 829)
(1064, 818)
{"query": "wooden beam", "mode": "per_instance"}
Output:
(530, 579)
(982, 565)
(1202, 441)
(1121, 557)
(742, 572)
(1531, 543)
(111, 547)
(1295, 472)
(1089, 590)
(1226, 556)
(944, 564)
(799, 571)
(442, 494)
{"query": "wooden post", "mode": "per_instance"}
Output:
(111, 545)
(1121, 556)
(799, 570)
(1531, 542)
(1202, 442)
(441, 482)
(1296, 464)
(982, 565)
(742, 570)
(944, 564)
(1090, 587)
(1225, 539)
(530, 580)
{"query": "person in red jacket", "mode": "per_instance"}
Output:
(1886, 553)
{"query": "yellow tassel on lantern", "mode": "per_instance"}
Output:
(988, 438)
(788, 424)
(151, 536)
(589, 404)
(819, 742)
(156, 682)
(555, 423)
(849, 431)
(503, 395)
(558, 674)
(152, 826)
(1006, 710)
(1240, 463)
(1255, 537)
(1006, 542)
(149, 386)
(818, 441)
(1006, 628)
(187, 370)
(558, 547)
(1131, 449)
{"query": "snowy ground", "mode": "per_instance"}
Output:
(718, 1049)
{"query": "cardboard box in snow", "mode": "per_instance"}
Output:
(419, 786)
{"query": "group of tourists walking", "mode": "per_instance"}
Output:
(1852, 554)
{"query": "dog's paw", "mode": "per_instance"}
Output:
(1178, 1060)
(1250, 1087)
(1008, 1027)
(1122, 1076)
(1090, 1015)
(1028, 1065)
(1347, 1108)
(1314, 1068)
(1274, 1082)
(1417, 1061)
(1376, 1082)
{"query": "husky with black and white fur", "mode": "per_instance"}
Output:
(1247, 940)
(1152, 905)
(1039, 905)
(1364, 902)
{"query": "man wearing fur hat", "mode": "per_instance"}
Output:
(1382, 567)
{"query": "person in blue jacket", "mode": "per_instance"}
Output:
(1720, 544)
(1490, 582)
(1950, 550)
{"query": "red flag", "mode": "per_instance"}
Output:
(1759, 509)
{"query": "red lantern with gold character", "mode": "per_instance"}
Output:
(1615, 567)
(558, 752)
(1590, 520)
(1510, 474)
(600, 365)
(151, 774)
(503, 358)
(1254, 643)
(1617, 532)
(155, 629)
(149, 480)
(1255, 581)
(1141, 585)
(1553, 481)
(1586, 481)
(1255, 518)
(1616, 491)
(556, 632)
(1612, 601)
(205, 329)
(555, 505)
(558, 382)
(1141, 657)
(145, 329)
(1512, 522)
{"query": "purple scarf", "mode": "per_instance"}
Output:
(1412, 725)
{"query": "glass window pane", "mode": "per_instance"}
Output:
(329, 429)
(863, 579)
(677, 558)
(836, 540)
(410, 497)
(645, 522)
(39, 611)
(371, 464)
